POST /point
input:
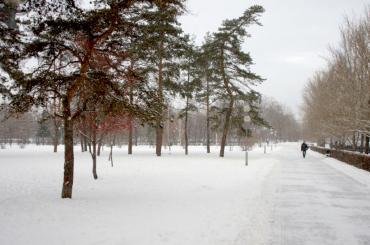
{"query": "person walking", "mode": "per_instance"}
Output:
(304, 148)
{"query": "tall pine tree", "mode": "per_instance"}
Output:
(189, 85)
(231, 66)
(164, 45)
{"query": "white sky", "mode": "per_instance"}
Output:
(291, 44)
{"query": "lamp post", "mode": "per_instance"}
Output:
(246, 120)
(271, 137)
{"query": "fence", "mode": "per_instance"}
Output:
(356, 159)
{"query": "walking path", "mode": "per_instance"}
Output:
(318, 200)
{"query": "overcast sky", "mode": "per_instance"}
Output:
(291, 44)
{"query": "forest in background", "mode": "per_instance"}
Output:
(39, 128)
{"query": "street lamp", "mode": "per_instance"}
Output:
(246, 119)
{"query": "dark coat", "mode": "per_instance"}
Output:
(304, 147)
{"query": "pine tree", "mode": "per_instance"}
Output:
(189, 86)
(207, 81)
(231, 65)
(164, 45)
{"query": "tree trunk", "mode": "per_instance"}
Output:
(367, 139)
(186, 127)
(93, 153)
(136, 137)
(159, 139)
(84, 129)
(112, 143)
(354, 141)
(56, 127)
(89, 145)
(229, 110)
(130, 131)
(168, 129)
(68, 151)
(111, 155)
(226, 127)
(95, 175)
(159, 129)
(85, 142)
(82, 143)
(208, 120)
(100, 142)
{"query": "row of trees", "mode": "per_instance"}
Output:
(18, 130)
(102, 69)
(282, 121)
(337, 99)
(41, 128)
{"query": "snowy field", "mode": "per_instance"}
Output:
(200, 199)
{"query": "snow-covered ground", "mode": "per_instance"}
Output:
(200, 199)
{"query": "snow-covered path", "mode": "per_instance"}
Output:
(280, 198)
(319, 200)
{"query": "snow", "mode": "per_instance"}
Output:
(319, 200)
(279, 198)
